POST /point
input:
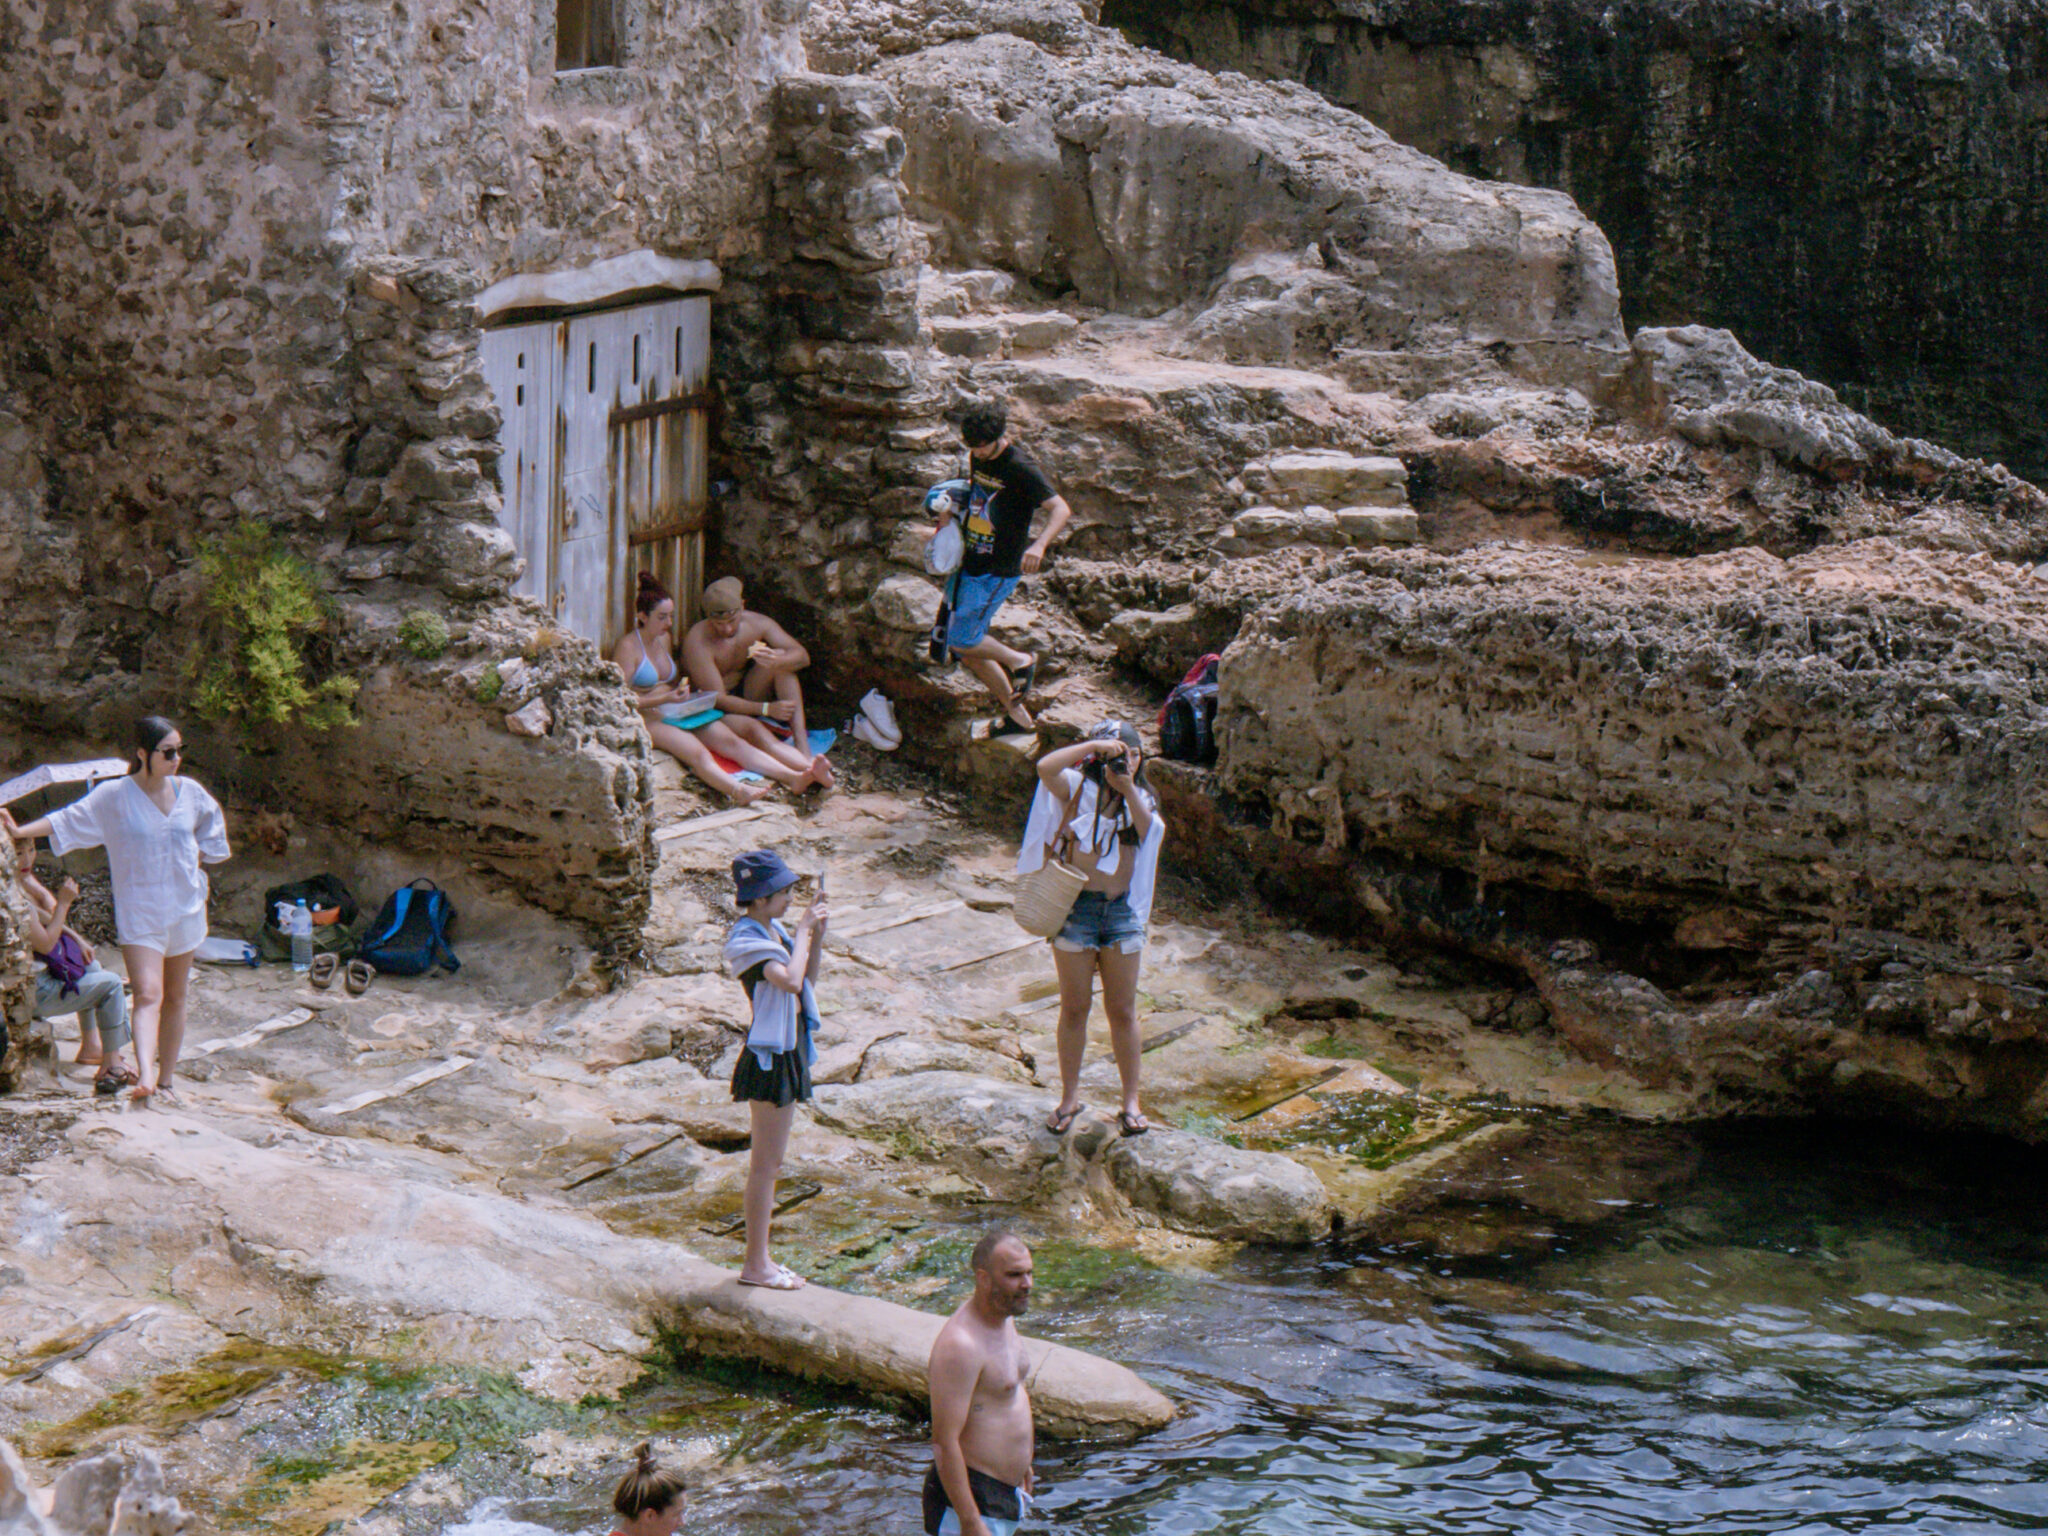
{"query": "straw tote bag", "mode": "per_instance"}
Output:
(1046, 895)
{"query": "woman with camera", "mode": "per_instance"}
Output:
(1094, 810)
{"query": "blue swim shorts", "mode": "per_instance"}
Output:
(1100, 921)
(975, 601)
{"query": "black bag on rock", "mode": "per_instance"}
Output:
(1187, 724)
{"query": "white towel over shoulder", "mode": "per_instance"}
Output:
(753, 943)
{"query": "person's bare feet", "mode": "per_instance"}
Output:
(747, 794)
(83, 1060)
(823, 770)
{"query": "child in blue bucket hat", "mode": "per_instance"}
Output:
(777, 969)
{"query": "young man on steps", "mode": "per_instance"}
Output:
(1008, 490)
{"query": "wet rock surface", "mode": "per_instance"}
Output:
(513, 1171)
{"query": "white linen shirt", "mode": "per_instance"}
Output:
(154, 858)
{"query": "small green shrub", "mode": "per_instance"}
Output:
(490, 685)
(264, 624)
(425, 634)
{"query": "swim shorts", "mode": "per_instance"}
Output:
(1002, 1506)
(975, 601)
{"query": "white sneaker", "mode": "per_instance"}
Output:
(864, 730)
(876, 711)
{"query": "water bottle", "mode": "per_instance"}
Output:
(302, 936)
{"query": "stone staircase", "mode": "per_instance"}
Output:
(1289, 499)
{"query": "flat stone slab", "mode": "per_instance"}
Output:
(994, 1132)
(877, 1346)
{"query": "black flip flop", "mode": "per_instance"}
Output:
(1019, 686)
(1060, 1124)
(1132, 1125)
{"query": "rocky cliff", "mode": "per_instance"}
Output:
(1823, 768)
(1855, 189)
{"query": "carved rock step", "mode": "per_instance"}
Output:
(1328, 477)
(1263, 528)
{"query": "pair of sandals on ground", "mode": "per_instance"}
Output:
(356, 975)
(1129, 1122)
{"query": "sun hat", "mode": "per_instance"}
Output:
(760, 874)
(722, 598)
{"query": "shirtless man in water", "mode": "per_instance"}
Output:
(980, 1481)
(750, 658)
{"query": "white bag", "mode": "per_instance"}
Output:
(942, 555)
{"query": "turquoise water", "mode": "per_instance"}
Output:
(1743, 1330)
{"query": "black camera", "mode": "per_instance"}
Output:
(1096, 769)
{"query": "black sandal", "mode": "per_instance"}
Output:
(1132, 1125)
(1060, 1123)
(1021, 685)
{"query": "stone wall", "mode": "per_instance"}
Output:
(1857, 190)
(18, 967)
(240, 244)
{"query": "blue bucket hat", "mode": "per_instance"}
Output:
(759, 874)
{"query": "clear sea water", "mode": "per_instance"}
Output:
(1619, 1330)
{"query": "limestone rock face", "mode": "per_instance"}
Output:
(1708, 389)
(18, 967)
(118, 1492)
(1849, 187)
(1740, 752)
(1144, 185)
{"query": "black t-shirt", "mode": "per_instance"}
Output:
(996, 534)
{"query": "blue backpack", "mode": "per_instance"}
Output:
(409, 935)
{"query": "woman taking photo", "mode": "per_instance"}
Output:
(159, 829)
(1094, 809)
(646, 655)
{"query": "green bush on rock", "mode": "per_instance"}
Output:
(263, 630)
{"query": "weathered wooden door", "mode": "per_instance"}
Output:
(605, 468)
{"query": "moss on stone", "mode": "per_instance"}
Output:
(424, 633)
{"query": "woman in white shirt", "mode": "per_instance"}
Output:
(1094, 809)
(159, 829)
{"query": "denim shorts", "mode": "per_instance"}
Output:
(975, 601)
(1101, 921)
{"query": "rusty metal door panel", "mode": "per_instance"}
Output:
(592, 360)
(608, 450)
(519, 364)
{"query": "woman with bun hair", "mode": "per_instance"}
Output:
(649, 1500)
(159, 829)
(646, 656)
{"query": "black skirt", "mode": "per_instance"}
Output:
(786, 1081)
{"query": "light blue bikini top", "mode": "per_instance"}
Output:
(644, 675)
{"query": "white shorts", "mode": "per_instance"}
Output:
(180, 936)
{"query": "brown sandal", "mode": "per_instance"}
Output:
(357, 978)
(322, 973)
